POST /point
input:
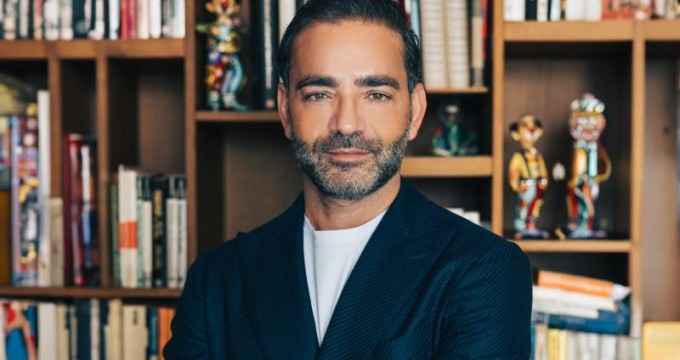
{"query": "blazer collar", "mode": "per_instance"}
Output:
(397, 257)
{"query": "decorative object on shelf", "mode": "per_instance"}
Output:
(452, 139)
(225, 74)
(528, 177)
(590, 165)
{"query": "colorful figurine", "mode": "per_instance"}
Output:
(452, 139)
(590, 165)
(224, 71)
(528, 177)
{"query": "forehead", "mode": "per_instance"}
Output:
(527, 121)
(348, 47)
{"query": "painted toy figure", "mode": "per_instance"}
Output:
(528, 177)
(590, 165)
(452, 139)
(224, 71)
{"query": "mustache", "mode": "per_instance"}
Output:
(343, 141)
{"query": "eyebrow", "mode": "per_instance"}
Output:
(366, 81)
(376, 81)
(315, 80)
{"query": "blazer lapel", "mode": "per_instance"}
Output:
(396, 259)
(275, 287)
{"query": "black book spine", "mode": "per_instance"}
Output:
(531, 10)
(159, 193)
(265, 34)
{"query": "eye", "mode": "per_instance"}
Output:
(316, 97)
(378, 97)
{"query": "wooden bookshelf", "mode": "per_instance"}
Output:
(429, 166)
(90, 49)
(104, 293)
(144, 100)
(576, 246)
(237, 117)
(458, 91)
(569, 31)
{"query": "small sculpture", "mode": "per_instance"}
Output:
(590, 165)
(452, 139)
(528, 177)
(224, 71)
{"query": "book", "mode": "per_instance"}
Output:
(264, 33)
(26, 207)
(660, 340)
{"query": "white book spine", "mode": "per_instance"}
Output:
(593, 10)
(10, 23)
(143, 19)
(114, 331)
(457, 35)
(171, 229)
(23, 18)
(44, 173)
(147, 234)
(114, 19)
(51, 19)
(178, 28)
(607, 347)
(131, 251)
(141, 246)
(577, 299)
(66, 19)
(286, 14)
(155, 19)
(182, 253)
(542, 10)
(576, 10)
(47, 321)
(555, 10)
(433, 44)
(135, 334)
(514, 10)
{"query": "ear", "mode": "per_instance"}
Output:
(418, 108)
(210, 7)
(282, 101)
(515, 135)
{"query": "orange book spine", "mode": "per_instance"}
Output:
(580, 284)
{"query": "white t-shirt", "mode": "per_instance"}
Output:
(330, 257)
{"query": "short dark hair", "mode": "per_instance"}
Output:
(384, 12)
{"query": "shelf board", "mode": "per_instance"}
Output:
(434, 166)
(569, 31)
(583, 246)
(661, 30)
(85, 292)
(235, 116)
(89, 49)
(457, 91)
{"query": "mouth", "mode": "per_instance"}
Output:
(348, 155)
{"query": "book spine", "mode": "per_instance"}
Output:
(115, 246)
(159, 195)
(152, 349)
(44, 174)
(171, 229)
(114, 19)
(38, 12)
(155, 22)
(580, 284)
(182, 231)
(477, 42)
(433, 44)
(51, 19)
(66, 19)
(142, 19)
(90, 242)
(26, 207)
(147, 234)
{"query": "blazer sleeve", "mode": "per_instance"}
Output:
(189, 337)
(488, 311)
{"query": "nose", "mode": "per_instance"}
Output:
(347, 118)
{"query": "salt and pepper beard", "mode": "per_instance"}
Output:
(336, 179)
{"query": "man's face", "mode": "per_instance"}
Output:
(348, 111)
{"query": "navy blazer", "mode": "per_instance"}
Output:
(428, 284)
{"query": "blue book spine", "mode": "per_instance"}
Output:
(152, 325)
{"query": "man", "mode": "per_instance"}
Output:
(361, 266)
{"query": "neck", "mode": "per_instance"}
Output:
(328, 213)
